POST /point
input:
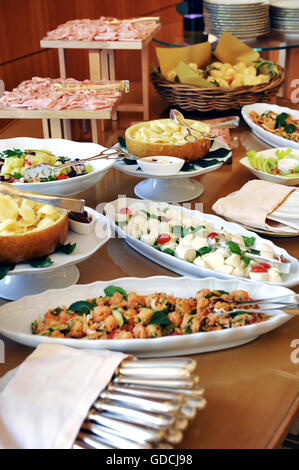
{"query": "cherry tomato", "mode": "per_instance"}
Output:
(213, 235)
(266, 265)
(163, 238)
(125, 210)
(112, 333)
(62, 177)
(28, 162)
(259, 269)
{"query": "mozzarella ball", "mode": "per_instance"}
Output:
(259, 276)
(198, 242)
(186, 253)
(214, 260)
(274, 275)
(233, 260)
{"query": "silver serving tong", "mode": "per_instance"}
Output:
(177, 117)
(44, 170)
(76, 205)
(221, 242)
(294, 311)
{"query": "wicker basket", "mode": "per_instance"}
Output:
(191, 98)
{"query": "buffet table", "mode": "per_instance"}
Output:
(252, 390)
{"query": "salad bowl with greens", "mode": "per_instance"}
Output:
(275, 165)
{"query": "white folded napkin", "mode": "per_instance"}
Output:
(253, 203)
(48, 397)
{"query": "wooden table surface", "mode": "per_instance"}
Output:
(251, 390)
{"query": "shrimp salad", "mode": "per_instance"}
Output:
(122, 315)
(196, 241)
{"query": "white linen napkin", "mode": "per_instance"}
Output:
(48, 397)
(253, 203)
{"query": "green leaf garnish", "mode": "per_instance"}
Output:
(110, 291)
(12, 153)
(81, 307)
(203, 251)
(290, 128)
(249, 241)
(67, 249)
(160, 318)
(280, 120)
(42, 262)
(234, 247)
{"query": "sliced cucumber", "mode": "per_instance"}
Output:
(119, 317)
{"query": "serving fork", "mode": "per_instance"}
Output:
(44, 170)
(264, 305)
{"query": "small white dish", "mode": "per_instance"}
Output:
(161, 165)
(280, 179)
(83, 228)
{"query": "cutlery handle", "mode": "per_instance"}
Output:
(141, 434)
(146, 393)
(187, 363)
(155, 372)
(174, 384)
(142, 403)
(111, 438)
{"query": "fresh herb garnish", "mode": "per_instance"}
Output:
(169, 251)
(234, 247)
(203, 251)
(249, 241)
(81, 307)
(122, 142)
(12, 153)
(67, 249)
(42, 262)
(160, 318)
(110, 291)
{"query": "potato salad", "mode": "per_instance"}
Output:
(196, 241)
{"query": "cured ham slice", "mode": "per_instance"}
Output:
(99, 30)
(59, 94)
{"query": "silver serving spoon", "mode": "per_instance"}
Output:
(221, 242)
(177, 117)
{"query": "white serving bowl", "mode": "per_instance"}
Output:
(286, 180)
(170, 165)
(66, 148)
(267, 136)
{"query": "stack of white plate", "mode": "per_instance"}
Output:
(242, 18)
(284, 15)
(288, 212)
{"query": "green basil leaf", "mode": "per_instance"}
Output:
(12, 153)
(160, 318)
(249, 241)
(42, 262)
(253, 251)
(188, 167)
(81, 307)
(67, 249)
(246, 261)
(203, 251)
(218, 291)
(177, 229)
(110, 291)
(234, 247)
(169, 251)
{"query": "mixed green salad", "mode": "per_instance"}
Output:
(282, 162)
